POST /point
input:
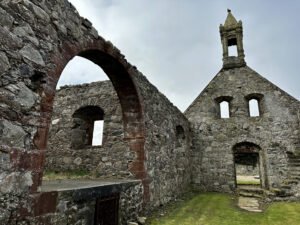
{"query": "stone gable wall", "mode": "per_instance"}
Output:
(275, 131)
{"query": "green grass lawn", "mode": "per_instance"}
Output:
(248, 182)
(220, 209)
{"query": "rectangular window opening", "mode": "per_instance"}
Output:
(253, 108)
(98, 133)
(224, 109)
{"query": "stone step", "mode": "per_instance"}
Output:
(283, 196)
(270, 193)
(249, 204)
(294, 164)
(283, 192)
(291, 181)
(294, 168)
(294, 173)
(250, 194)
(255, 189)
(285, 187)
(294, 160)
(295, 177)
(292, 155)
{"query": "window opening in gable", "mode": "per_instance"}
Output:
(224, 109)
(253, 108)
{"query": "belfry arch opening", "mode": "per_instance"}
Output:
(232, 47)
(249, 165)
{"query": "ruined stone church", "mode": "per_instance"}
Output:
(150, 152)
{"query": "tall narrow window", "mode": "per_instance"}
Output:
(253, 108)
(224, 109)
(98, 132)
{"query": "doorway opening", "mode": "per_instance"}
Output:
(247, 168)
(248, 164)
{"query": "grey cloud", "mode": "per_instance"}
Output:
(176, 43)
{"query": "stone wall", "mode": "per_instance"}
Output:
(38, 39)
(112, 158)
(275, 132)
(78, 206)
(167, 145)
(167, 139)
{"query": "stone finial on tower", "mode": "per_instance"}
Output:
(232, 35)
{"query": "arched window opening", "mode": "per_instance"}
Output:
(223, 106)
(86, 130)
(224, 109)
(253, 108)
(180, 136)
(255, 104)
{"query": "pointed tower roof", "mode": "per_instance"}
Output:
(230, 20)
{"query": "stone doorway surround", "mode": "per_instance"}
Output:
(248, 148)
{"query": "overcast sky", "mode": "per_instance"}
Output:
(176, 43)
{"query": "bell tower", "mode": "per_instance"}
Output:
(232, 37)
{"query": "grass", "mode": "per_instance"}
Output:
(220, 209)
(74, 174)
(248, 182)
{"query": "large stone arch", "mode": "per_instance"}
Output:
(121, 73)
